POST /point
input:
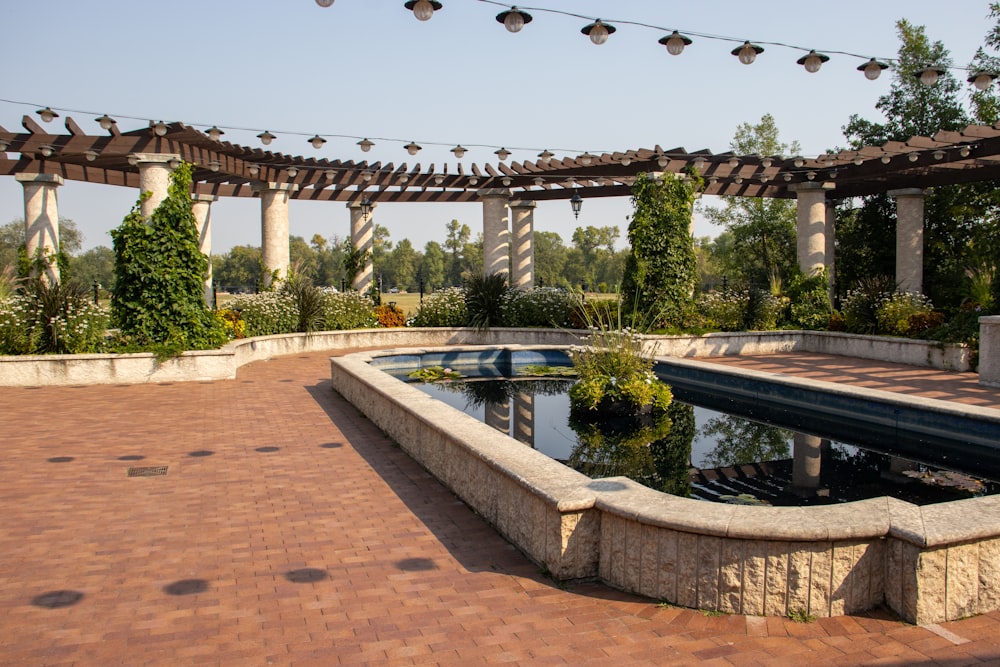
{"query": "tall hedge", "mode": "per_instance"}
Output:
(661, 270)
(159, 275)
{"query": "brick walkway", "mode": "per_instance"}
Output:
(288, 531)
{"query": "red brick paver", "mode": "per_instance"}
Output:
(289, 531)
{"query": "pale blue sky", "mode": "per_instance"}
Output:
(369, 68)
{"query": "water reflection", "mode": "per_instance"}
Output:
(739, 441)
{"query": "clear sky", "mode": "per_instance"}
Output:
(368, 68)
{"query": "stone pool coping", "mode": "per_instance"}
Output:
(929, 564)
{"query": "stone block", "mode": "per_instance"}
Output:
(754, 577)
(776, 580)
(687, 569)
(668, 565)
(649, 561)
(989, 575)
(820, 579)
(709, 552)
(962, 585)
(932, 572)
(731, 576)
(894, 575)
(632, 556)
(799, 571)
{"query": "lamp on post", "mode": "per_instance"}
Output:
(366, 207)
(576, 202)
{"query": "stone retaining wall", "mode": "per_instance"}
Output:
(929, 564)
(85, 369)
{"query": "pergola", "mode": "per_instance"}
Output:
(143, 158)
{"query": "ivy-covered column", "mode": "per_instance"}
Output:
(201, 206)
(41, 222)
(811, 228)
(274, 228)
(523, 231)
(496, 233)
(362, 240)
(909, 239)
(154, 178)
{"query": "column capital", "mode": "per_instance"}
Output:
(50, 179)
(494, 192)
(811, 186)
(263, 186)
(156, 158)
(906, 192)
(523, 203)
(204, 198)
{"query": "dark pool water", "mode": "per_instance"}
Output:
(707, 454)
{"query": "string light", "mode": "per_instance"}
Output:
(675, 43)
(266, 137)
(812, 61)
(47, 114)
(459, 151)
(423, 10)
(503, 154)
(106, 122)
(929, 75)
(324, 3)
(873, 69)
(317, 141)
(214, 133)
(982, 79)
(598, 31)
(159, 128)
(366, 145)
(514, 19)
(747, 53)
(412, 148)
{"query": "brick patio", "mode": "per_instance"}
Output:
(288, 531)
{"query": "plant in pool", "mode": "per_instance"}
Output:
(435, 374)
(616, 376)
(538, 370)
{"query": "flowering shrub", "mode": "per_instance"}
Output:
(71, 325)
(266, 313)
(235, 327)
(539, 307)
(724, 310)
(894, 311)
(347, 310)
(444, 308)
(390, 316)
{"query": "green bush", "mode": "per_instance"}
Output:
(860, 306)
(444, 308)
(267, 313)
(724, 310)
(810, 302)
(51, 319)
(484, 300)
(899, 313)
(539, 307)
(347, 310)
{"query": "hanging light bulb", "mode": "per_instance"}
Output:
(324, 3)
(675, 43)
(586, 159)
(734, 162)
(799, 161)
(90, 155)
(812, 61)
(173, 163)
(913, 157)
(514, 19)
(787, 177)
(858, 160)
(886, 159)
(214, 133)
(699, 163)
(330, 174)
(45, 150)
(160, 128)
(438, 179)
(214, 165)
(766, 162)
(292, 172)
(738, 180)
(106, 122)
(412, 148)
(266, 137)
(938, 155)
(546, 155)
(747, 53)
(503, 154)
(872, 69)
(626, 161)
(133, 159)
(366, 176)
(598, 31)
(811, 175)
(403, 178)
(473, 180)
(423, 10)
(539, 181)
(317, 141)
(964, 151)
(253, 170)
(459, 151)
(663, 161)
(506, 181)
(366, 145)
(3, 145)
(47, 114)
(982, 79)
(929, 75)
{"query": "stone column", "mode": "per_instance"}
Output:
(524, 419)
(201, 206)
(523, 232)
(274, 227)
(498, 416)
(496, 235)
(41, 221)
(362, 238)
(811, 228)
(831, 237)
(989, 350)
(909, 239)
(154, 178)
(807, 460)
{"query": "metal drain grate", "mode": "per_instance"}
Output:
(147, 471)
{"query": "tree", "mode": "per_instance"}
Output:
(550, 259)
(458, 239)
(595, 263)
(12, 243)
(660, 272)
(158, 298)
(240, 268)
(403, 262)
(302, 256)
(762, 229)
(96, 265)
(960, 221)
(432, 266)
